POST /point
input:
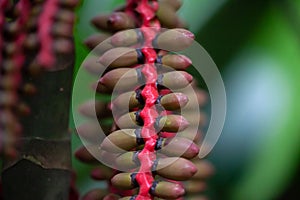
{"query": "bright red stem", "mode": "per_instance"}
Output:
(150, 93)
(45, 56)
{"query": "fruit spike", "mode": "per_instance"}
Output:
(50, 29)
(148, 113)
(11, 75)
(150, 94)
(45, 56)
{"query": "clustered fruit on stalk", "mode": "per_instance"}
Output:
(129, 55)
(35, 34)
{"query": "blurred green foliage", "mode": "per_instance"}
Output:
(256, 45)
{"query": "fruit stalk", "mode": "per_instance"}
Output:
(149, 93)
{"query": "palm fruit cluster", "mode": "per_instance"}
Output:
(35, 34)
(176, 170)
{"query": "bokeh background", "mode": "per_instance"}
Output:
(256, 45)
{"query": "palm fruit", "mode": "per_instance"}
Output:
(170, 158)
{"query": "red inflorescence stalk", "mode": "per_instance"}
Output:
(150, 93)
(46, 56)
